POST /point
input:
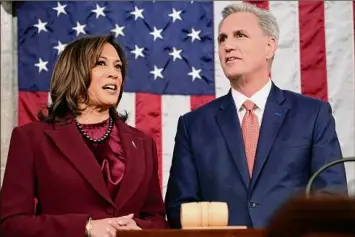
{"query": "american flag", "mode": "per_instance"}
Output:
(173, 61)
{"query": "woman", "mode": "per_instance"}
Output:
(80, 170)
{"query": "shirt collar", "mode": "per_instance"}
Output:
(259, 98)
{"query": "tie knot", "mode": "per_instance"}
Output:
(249, 105)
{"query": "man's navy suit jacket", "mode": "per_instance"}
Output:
(297, 137)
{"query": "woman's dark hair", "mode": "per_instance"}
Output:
(71, 77)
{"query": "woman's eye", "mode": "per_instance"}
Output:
(100, 63)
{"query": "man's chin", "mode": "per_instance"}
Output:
(234, 75)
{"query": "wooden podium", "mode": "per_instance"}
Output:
(300, 217)
(202, 219)
(219, 233)
(194, 233)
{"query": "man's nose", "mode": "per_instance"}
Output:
(229, 46)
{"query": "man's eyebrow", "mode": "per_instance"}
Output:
(240, 31)
(234, 32)
(222, 35)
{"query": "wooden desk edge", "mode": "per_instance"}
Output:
(194, 233)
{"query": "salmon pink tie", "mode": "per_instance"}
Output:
(250, 129)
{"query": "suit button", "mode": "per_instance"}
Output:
(252, 204)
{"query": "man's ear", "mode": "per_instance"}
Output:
(271, 48)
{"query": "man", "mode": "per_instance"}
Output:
(258, 145)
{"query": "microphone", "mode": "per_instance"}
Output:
(330, 164)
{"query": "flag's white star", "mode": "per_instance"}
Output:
(157, 72)
(156, 33)
(60, 8)
(79, 29)
(60, 47)
(194, 35)
(41, 26)
(118, 30)
(176, 53)
(42, 65)
(138, 13)
(195, 73)
(99, 11)
(138, 52)
(175, 15)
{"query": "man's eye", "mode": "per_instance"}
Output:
(221, 39)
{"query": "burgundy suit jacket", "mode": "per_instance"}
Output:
(53, 164)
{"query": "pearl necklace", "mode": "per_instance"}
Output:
(92, 139)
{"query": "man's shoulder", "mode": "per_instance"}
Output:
(205, 109)
(299, 99)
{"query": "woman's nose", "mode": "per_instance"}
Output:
(113, 72)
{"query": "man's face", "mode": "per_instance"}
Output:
(243, 47)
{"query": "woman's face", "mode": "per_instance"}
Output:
(106, 78)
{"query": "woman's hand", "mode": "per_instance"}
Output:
(127, 223)
(104, 227)
(109, 226)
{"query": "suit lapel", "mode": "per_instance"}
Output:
(274, 115)
(133, 147)
(69, 141)
(227, 119)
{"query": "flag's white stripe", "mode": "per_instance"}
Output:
(340, 73)
(221, 82)
(286, 66)
(173, 106)
(128, 104)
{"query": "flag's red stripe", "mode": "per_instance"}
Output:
(261, 4)
(197, 101)
(29, 104)
(149, 120)
(313, 49)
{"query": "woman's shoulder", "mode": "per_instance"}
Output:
(138, 133)
(33, 126)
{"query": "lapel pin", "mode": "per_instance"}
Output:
(278, 114)
(134, 144)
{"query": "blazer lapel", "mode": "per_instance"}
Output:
(273, 118)
(133, 147)
(68, 139)
(227, 119)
